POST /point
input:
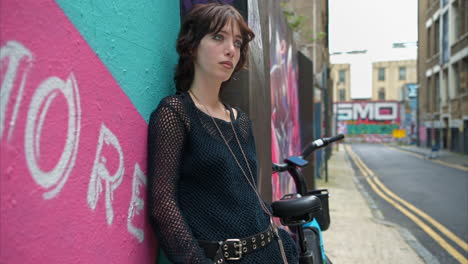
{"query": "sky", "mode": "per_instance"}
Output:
(372, 25)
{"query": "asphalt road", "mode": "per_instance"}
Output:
(436, 190)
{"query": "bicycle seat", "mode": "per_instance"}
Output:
(296, 206)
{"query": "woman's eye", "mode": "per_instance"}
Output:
(238, 43)
(218, 37)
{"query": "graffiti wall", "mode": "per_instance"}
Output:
(284, 100)
(78, 82)
(409, 108)
(368, 121)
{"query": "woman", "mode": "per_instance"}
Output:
(202, 165)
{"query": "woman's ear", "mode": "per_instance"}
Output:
(193, 53)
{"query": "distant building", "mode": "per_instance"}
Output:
(391, 106)
(389, 77)
(378, 90)
(341, 78)
(443, 74)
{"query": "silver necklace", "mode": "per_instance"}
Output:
(251, 183)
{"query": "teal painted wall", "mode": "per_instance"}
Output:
(136, 42)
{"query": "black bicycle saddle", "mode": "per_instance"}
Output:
(291, 206)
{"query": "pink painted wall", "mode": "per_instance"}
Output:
(72, 159)
(285, 127)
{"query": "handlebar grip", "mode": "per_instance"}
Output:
(335, 138)
(319, 143)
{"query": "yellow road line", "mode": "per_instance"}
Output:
(455, 166)
(419, 212)
(369, 177)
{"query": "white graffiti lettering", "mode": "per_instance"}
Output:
(363, 112)
(375, 111)
(137, 203)
(391, 114)
(40, 103)
(14, 53)
(101, 174)
(345, 111)
(15, 62)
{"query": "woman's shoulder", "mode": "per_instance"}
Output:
(240, 114)
(175, 103)
(176, 100)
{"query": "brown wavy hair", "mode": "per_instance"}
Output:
(205, 19)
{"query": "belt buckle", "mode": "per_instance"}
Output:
(237, 252)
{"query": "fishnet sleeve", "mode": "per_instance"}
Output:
(166, 138)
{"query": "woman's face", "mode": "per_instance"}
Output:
(218, 53)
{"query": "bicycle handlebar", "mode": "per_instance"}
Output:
(314, 145)
(319, 143)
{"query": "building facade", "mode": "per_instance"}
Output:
(341, 80)
(391, 104)
(390, 77)
(443, 74)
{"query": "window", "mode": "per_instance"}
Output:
(342, 76)
(342, 94)
(436, 36)
(444, 2)
(456, 21)
(382, 93)
(428, 95)
(381, 74)
(429, 46)
(446, 87)
(445, 40)
(456, 70)
(402, 73)
(437, 92)
(464, 76)
(465, 3)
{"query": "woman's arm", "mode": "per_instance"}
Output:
(166, 139)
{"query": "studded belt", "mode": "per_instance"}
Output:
(236, 248)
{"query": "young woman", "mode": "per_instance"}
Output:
(202, 167)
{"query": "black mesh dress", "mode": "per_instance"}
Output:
(196, 189)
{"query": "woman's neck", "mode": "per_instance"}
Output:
(206, 91)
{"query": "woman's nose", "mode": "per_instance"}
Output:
(230, 49)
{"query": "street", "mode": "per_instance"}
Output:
(428, 199)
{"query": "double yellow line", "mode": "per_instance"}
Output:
(411, 211)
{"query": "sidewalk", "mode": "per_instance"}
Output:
(355, 234)
(442, 155)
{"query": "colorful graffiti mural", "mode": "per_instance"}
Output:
(409, 111)
(368, 121)
(284, 99)
(78, 82)
(73, 161)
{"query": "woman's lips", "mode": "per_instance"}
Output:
(226, 64)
